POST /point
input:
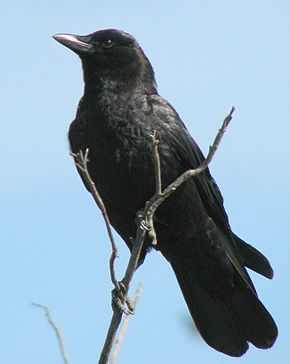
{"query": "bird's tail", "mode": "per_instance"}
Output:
(227, 322)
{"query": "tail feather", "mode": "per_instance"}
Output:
(256, 322)
(254, 259)
(227, 322)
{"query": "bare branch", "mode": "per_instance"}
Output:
(56, 331)
(135, 254)
(81, 161)
(156, 201)
(158, 179)
(112, 331)
(145, 225)
(124, 326)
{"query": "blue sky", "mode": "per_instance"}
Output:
(207, 57)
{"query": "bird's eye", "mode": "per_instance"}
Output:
(108, 43)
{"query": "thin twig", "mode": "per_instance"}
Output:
(124, 326)
(158, 179)
(156, 201)
(81, 161)
(56, 331)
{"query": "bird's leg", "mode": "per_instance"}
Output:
(151, 231)
(145, 221)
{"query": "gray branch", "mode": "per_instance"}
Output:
(145, 226)
(56, 331)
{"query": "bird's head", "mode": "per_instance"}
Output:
(110, 54)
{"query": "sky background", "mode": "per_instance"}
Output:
(208, 56)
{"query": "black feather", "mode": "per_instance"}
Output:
(116, 118)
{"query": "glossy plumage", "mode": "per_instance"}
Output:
(116, 118)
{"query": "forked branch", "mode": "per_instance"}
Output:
(145, 226)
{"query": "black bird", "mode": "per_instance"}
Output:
(116, 118)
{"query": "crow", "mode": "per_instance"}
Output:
(116, 118)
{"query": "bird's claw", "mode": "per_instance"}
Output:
(118, 302)
(152, 236)
(144, 226)
(121, 301)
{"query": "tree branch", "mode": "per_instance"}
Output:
(158, 179)
(112, 331)
(157, 200)
(56, 331)
(124, 326)
(81, 161)
(145, 226)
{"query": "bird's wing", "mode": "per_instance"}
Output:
(238, 250)
(190, 155)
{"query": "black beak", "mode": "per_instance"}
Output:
(77, 43)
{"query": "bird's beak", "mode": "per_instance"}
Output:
(77, 43)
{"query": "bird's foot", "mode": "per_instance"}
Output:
(147, 225)
(120, 300)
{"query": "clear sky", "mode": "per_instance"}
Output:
(208, 56)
